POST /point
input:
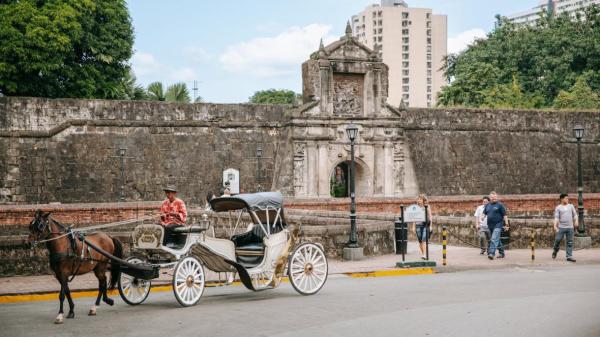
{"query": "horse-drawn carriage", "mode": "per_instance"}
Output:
(261, 256)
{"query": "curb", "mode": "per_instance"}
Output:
(53, 295)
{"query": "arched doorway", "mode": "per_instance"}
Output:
(339, 182)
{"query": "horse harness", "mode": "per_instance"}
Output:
(72, 251)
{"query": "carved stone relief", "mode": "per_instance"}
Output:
(348, 94)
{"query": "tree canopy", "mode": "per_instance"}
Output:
(60, 48)
(528, 66)
(274, 96)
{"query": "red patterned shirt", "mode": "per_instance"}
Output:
(173, 212)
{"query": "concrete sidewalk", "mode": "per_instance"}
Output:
(458, 258)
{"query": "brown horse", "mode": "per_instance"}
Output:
(70, 256)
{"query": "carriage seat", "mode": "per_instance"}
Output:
(188, 229)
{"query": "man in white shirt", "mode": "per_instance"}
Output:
(481, 225)
(565, 221)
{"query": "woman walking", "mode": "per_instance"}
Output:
(423, 229)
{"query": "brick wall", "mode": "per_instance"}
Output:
(520, 206)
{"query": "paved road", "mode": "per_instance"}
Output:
(512, 302)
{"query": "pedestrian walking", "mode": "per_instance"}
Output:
(423, 229)
(483, 231)
(495, 213)
(565, 221)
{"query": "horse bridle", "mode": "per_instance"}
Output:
(42, 225)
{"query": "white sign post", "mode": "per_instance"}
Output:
(414, 213)
(231, 179)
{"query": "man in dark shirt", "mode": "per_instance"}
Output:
(496, 219)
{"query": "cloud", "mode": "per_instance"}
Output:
(278, 55)
(197, 54)
(461, 41)
(146, 66)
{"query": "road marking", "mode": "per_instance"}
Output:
(393, 272)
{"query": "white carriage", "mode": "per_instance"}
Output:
(261, 256)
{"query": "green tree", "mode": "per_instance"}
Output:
(545, 59)
(273, 96)
(579, 97)
(60, 48)
(177, 92)
(509, 96)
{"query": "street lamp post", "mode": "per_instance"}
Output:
(259, 153)
(352, 131)
(122, 151)
(579, 130)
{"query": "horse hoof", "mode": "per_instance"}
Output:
(59, 319)
(92, 312)
(71, 315)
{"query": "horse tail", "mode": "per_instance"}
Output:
(115, 267)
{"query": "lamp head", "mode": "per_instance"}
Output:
(352, 131)
(578, 130)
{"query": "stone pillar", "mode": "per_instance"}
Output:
(312, 171)
(389, 169)
(378, 170)
(324, 170)
(299, 169)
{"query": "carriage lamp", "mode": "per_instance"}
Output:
(578, 130)
(259, 152)
(352, 131)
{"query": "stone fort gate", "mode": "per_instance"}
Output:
(341, 83)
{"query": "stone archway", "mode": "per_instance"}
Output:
(339, 179)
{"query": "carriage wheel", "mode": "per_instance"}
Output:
(308, 268)
(133, 290)
(188, 281)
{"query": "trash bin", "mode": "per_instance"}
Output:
(505, 239)
(401, 233)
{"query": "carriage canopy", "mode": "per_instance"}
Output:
(251, 201)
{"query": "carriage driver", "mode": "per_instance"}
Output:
(173, 212)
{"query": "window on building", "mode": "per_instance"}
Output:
(374, 14)
(405, 32)
(405, 15)
(380, 30)
(374, 41)
(429, 104)
(404, 48)
(374, 23)
(429, 97)
(428, 15)
(404, 40)
(405, 80)
(429, 32)
(374, 31)
(405, 97)
(380, 38)
(405, 23)
(405, 72)
(428, 80)
(379, 13)
(428, 24)
(406, 88)
(428, 89)
(429, 49)
(428, 40)
(380, 22)
(405, 56)
(428, 57)
(429, 72)
(429, 65)
(405, 64)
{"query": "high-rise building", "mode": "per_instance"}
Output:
(412, 42)
(552, 8)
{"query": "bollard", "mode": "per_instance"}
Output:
(444, 242)
(532, 243)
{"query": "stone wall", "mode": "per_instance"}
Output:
(465, 151)
(66, 150)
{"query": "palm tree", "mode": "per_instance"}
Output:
(156, 91)
(178, 92)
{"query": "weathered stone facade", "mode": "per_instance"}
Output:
(66, 150)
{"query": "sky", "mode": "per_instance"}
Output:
(234, 48)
